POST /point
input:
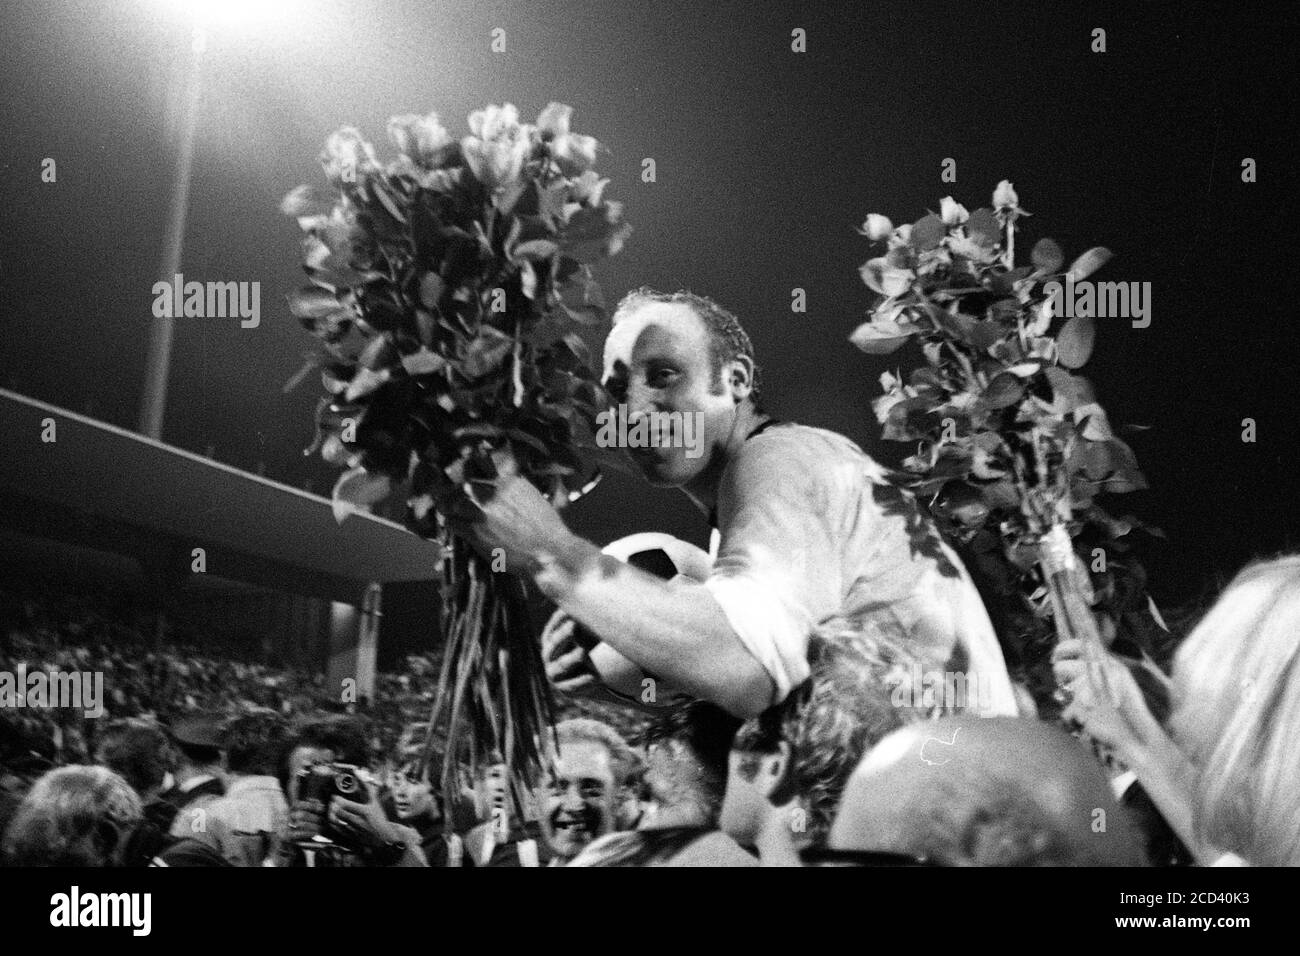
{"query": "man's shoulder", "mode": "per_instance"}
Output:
(783, 437)
(788, 450)
(713, 849)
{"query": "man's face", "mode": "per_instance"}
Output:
(492, 797)
(580, 798)
(657, 360)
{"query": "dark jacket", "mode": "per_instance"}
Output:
(436, 841)
(180, 799)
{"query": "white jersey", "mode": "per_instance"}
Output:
(809, 529)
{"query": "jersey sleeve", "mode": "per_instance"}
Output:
(777, 571)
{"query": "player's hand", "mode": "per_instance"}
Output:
(507, 516)
(568, 664)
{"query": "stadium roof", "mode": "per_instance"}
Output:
(126, 492)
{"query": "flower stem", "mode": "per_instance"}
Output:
(517, 380)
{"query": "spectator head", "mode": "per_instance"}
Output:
(789, 765)
(1236, 715)
(323, 741)
(140, 751)
(492, 791)
(686, 764)
(413, 786)
(74, 816)
(347, 738)
(197, 741)
(583, 784)
(255, 744)
(984, 791)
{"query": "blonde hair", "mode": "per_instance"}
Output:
(846, 706)
(73, 816)
(625, 762)
(1236, 715)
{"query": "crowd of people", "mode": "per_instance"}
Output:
(841, 772)
(61, 629)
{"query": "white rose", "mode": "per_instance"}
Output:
(877, 227)
(347, 155)
(951, 212)
(419, 137)
(575, 153)
(884, 278)
(498, 145)
(1005, 196)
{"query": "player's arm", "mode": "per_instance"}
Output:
(673, 629)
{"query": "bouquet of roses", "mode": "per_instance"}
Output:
(447, 290)
(1013, 448)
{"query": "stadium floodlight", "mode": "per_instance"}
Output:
(207, 16)
(211, 13)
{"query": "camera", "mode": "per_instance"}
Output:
(327, 781)
(324, 781)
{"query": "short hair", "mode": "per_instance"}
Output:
(256, 744)
(72, 816)
(197, 755)
(706, 730)
(343, 736)
(728, 339)
(138, 750)
(347, 737)
(1236, 714)
(979, 819)
(414, 754)
(831, 720)
(1017, 792)
(622, 758)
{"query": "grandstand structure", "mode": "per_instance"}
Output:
(211, 548)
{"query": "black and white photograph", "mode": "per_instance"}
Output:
(452, 434)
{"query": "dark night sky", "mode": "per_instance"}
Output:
(766, 162)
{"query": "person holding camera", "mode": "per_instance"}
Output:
(338, 820)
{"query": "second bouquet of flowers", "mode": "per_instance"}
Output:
(1012, 447)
